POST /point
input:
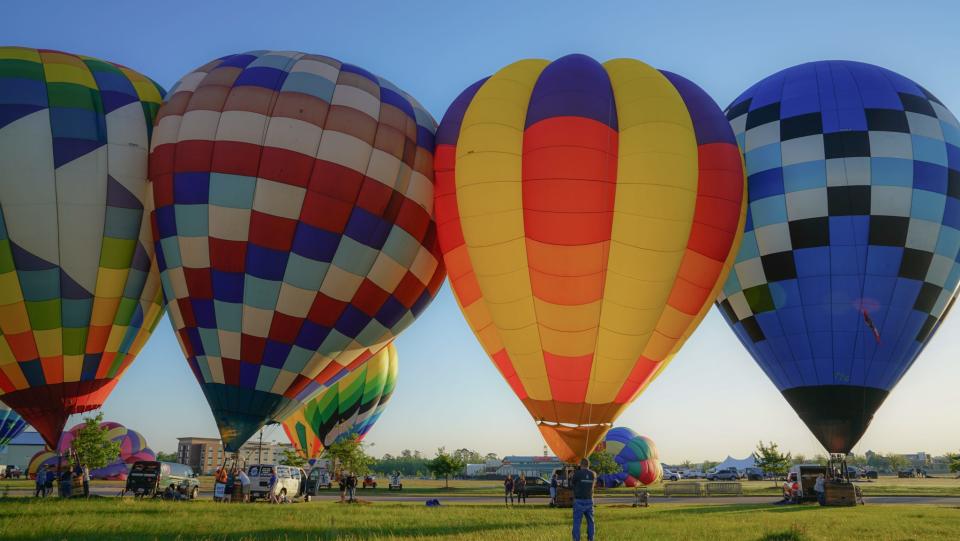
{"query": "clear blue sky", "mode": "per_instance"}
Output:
(712, 400)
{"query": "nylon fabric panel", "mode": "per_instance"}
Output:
(654, 207)
(489, 175)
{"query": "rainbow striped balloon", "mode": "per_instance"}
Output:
(348, 407)
(636, 455)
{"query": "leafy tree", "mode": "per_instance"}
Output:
(445, 465)
(603, 463)
(896, 462)
(954, 463)
(167, 457)
(687, 464)
(92, 445)
(820, 459)
(491, 456)
(771, 460)
(468, 456)
(799, 458)
(292, 458)
(349, 455)
(707, 464)
(859, 461)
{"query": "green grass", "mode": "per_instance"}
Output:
(885, 486)
(104, 519)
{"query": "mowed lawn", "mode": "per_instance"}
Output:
(104, 519)
(885, 486)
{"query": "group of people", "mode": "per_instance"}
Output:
(348, 487)
(66, 476)
(235, 483)
(516, 487)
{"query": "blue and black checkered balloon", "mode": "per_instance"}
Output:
(849, 257)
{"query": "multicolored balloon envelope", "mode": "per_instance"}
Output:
(293, 225)
(636, 455)
(133, 447)
(849, 260)
(11, 425)
(348, 408)
(586, 214)
(79, 289)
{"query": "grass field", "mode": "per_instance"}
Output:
(885, 486)
(104, 519)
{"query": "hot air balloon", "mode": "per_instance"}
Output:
(11, 425)
(349, 407)
(79, 289)
(133, 447)
(586, 214)
(293, 224)
(848, 262)
(637, 456)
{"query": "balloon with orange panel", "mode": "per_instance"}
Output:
(587, 214)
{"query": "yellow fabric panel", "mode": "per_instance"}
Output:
(49, 342)
(104, 311)
(62, 73)
(117, 333)
(72, 366)
(489, 173)
(19, 53)
(657, 147)
(110, 282)
(10, 289)
(6, 354)
(568, 318)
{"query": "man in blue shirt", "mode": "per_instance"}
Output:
(582, 483)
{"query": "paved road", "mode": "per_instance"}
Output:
(111, 491)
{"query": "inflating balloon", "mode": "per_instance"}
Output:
(848, 263)
(586, 213)
(133, 447)
(293, 226)
(349, 407)
(636, 455)
(11, 425)
(79, 289)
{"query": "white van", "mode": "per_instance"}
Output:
(288, 480)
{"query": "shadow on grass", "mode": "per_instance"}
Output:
(737, 508)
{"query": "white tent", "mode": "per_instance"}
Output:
(739, 464)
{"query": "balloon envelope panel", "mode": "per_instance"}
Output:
(349, 407)
(79, 289)
(133, 447)
(293, 226)
(636, 455)
(849, 259)
(587, 213)
(11, 425)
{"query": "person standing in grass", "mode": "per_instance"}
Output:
(41, 484)
(274, 493)
(343, 487)
(508, 490)
(583, 481)
(819, 489)
(522, 489)
(553, 488)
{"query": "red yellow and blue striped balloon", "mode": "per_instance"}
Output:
(293, 225)
(587, 215)
(79, 288)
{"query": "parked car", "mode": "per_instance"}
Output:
(754, 474)
(854, 472)
(369, 482)
(288, 480)
(694, 474)
(537, 486)
(396, 482)
(669, 475)
(149, 478)
(912, 473)
(871, 473)
(724, 474)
